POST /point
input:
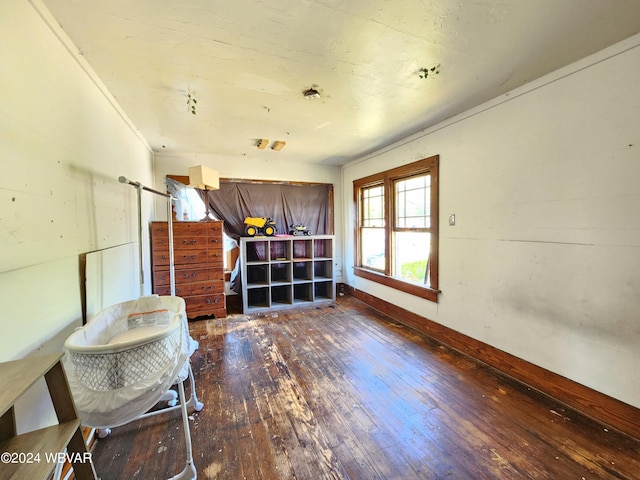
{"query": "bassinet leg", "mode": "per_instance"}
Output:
(170, 397)
(193, 401)
(189, 471)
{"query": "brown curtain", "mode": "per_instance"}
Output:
(286, 204)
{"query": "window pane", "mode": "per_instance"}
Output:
(413, 199)
(411, 256)
(394, 228)
(373, 207)
(372, 242)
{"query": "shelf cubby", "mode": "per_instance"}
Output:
(322, 248)
(257, 252)
(280, 273)
(281, 295)
(303, 292)
(303, 249)
(302, 271)
(258, 274)
(323, 269)
(323, 290)
(279, 251)
(259, 298)
(286, 271)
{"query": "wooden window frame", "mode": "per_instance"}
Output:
(387, 178)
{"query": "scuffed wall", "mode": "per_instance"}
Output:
(544, 259)
(63, 144)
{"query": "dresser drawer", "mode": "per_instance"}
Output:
(160, 258)
(216, 272)
(199, 303)
(159, 229)
(181, 290)
(181, 243)
(188, 228)
(186, 257)
(215, 259)
(214, 243)
(182, 276)
(194, 253)
(160, 243)
(191, 275)
(206, 311)
(197, 229)
(214, 229)
(161, 277)
(188, 275)
(204, 288)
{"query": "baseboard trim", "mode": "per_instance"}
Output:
(602, 408)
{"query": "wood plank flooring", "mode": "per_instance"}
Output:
(343, 392)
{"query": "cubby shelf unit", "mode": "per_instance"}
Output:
(286, 271)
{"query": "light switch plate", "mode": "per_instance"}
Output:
(452, 219)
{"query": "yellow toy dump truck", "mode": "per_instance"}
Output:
(259, 226)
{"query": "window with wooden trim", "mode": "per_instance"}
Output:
(397, 228)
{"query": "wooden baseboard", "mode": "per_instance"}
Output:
(602, 408)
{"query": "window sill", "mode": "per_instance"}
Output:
(410, 288)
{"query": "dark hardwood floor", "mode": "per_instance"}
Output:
(343, 392)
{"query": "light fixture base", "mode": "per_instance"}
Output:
(278, 145)
(311, 94)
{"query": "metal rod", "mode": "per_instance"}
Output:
(172, 272)
(139, 190)
(139, 187)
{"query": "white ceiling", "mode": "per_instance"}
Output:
(247, 63)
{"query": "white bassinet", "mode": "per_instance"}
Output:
(125, 359)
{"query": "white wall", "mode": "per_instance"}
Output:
(544, 261)
(63, 144)
(257, 167)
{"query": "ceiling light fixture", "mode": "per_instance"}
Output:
(262, 143)
(278, 145)
(311, 94)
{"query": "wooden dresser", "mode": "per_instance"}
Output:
(198, 263)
